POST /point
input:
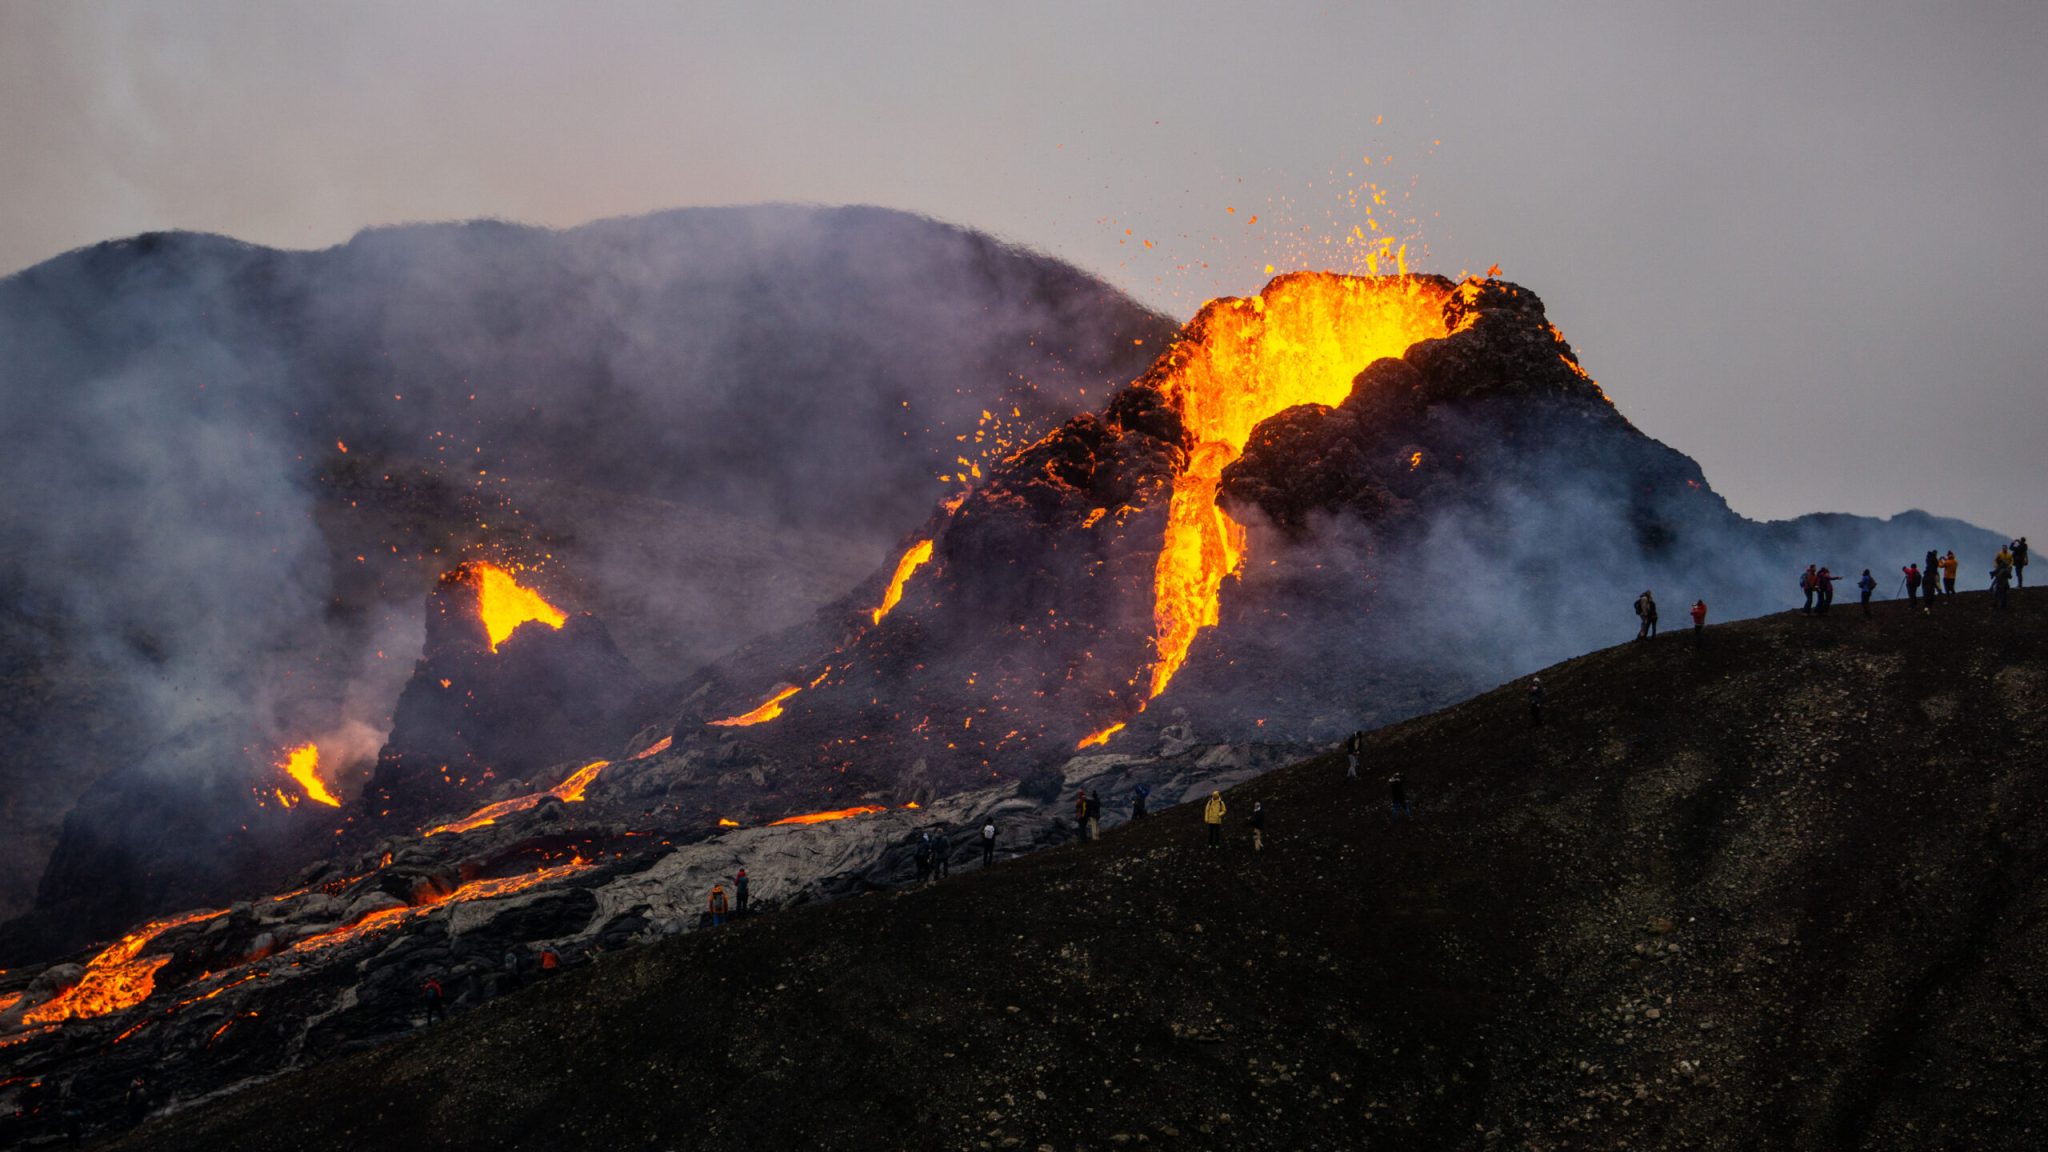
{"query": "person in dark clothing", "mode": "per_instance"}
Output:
(1824, 589)
(431, 992)
(1257, 823)
(2001, 584)
(1930, 578)
(1646, 615)
(1138, 796)
(1912, 572)
(1806, 585)
(1094, 813)
(942, 848)
(1081, 813)
(136, 1100)
(988, 843)
(923, 858)
(1867, 585)
(1535, 703)
(1699, 621)
(2019, 561)
(1354, 755)
(1397, 792)
(739, 893)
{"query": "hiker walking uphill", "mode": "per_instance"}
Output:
(1948, 573)
(1867, 585)
(1699, 620)
(1257, 823)
(1212, 815)
(1912, 572)
(717, 905)
(1646, 614)
(988, 843)
(1808, 586)
(2019, 561)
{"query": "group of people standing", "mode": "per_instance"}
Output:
(1934, 579)
(1646, 620)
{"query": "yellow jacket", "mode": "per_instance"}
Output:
(1948, 567)
(1213, 812)
(2003, 559)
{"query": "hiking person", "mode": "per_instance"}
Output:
(923, 857)
(513, 965)
(1646, 614)
(718, 906)
(1930, 578)
(1397, 793)
(2019, 561)
(1867, 585)
(1138, 796)
(1948, 573)
(1212, 815)
(988, 843)
(2001, 579)
(1912, 572)
(1806, 586)
(431, 993)
(1535, 702)
(1824, 590)
(1081, 813)
(739, 892)
(1257, 823)
(1354, 754)
(1699, 620)
(942, 848)
(550, 961)
(136, 1100)
(1094, 814)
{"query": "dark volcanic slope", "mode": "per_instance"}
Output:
(1779, 892)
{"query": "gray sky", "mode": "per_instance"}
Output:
(1794, 241)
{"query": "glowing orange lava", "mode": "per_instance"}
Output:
(823, 817)
(768, 710)
(569, 791)
(654, 749)
(505, 604)
(1102, 737)
(114, 979)
(303, 765)
(474, 890)
(1240, 361)
(911, 562)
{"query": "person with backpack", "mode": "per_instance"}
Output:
(1806, 585)
(1397, 794)
(1699, 621)
(988, 842)
(2019, 561)
(1646, 614)
(1257, 823)
(717, 905)
(1912, 572)
(431, 992)
(1867, 585)
(942, 848)
(1212, 815)
(739, 892)
(1930, 578)
(923, 857)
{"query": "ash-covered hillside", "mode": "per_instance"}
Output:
(1775, 891)
(235, 472)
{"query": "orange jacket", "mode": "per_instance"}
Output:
(1948, 567)
(1699, 612)
(718, 899)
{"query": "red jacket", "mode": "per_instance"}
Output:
(1699, 612)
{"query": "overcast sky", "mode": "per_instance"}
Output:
(1798, 242)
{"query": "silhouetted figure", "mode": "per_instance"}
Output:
(1354, 755)
(1081, 813)
(1257, 823)
(1867, 585)
(1806, 585)
(1948, 573)
(739, 893)
(923, 857)
(1138, 797)
(2001, 579)
(2019, 561)
(1930, 579)
(136, 1100)
(550, 961)
(1912, 572)
(1535, 703)
(1212, 815)
(432, 994)
(1699, 621)
(988, 843)
(1397, 794)
(1646, 616)
(942, 848)
(1824, 591)
(1094, 814)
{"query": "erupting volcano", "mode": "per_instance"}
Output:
(302, 764)
(505, 604)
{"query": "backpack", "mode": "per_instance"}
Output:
(988, 830)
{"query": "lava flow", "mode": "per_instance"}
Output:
(505, 604)
(569, 791)
(824, 817)
(114, 979)
(1301, 341)
(303, 765)
(911, 562)
(474, 890)
(768, 710)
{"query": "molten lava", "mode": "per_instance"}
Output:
(768, 710)
(654, 749)
(474, 890)
(1301, 341)
(505, 604)
(302, 764)
(911, 562)
(823, 817)
(569, 791)
(115, 979)
(1095, 738)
